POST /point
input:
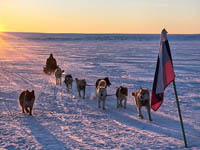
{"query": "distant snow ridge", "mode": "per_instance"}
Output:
(104, 37)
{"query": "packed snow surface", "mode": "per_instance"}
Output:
(62, 120)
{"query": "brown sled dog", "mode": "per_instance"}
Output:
(121, 94)
(26, 101)
(141, 97)
(81, 86)
(101, 93)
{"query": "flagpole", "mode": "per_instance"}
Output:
(179, 111)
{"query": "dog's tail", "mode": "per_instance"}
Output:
(102, 84)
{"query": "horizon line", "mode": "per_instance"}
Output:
(82, 33)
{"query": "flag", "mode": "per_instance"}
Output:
(164, 73)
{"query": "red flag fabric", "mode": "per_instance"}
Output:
(164, 73)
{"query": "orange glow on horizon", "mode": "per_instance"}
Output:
(7, 51)
(3, 45)
(100, 16)
(3, 42)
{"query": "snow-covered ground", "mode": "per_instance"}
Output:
(61, 121)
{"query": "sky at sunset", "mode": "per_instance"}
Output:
(100, 16)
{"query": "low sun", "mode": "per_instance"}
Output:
(2, 28)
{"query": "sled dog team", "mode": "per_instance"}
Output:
(141, 96)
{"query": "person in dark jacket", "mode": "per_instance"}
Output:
(51, 65)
